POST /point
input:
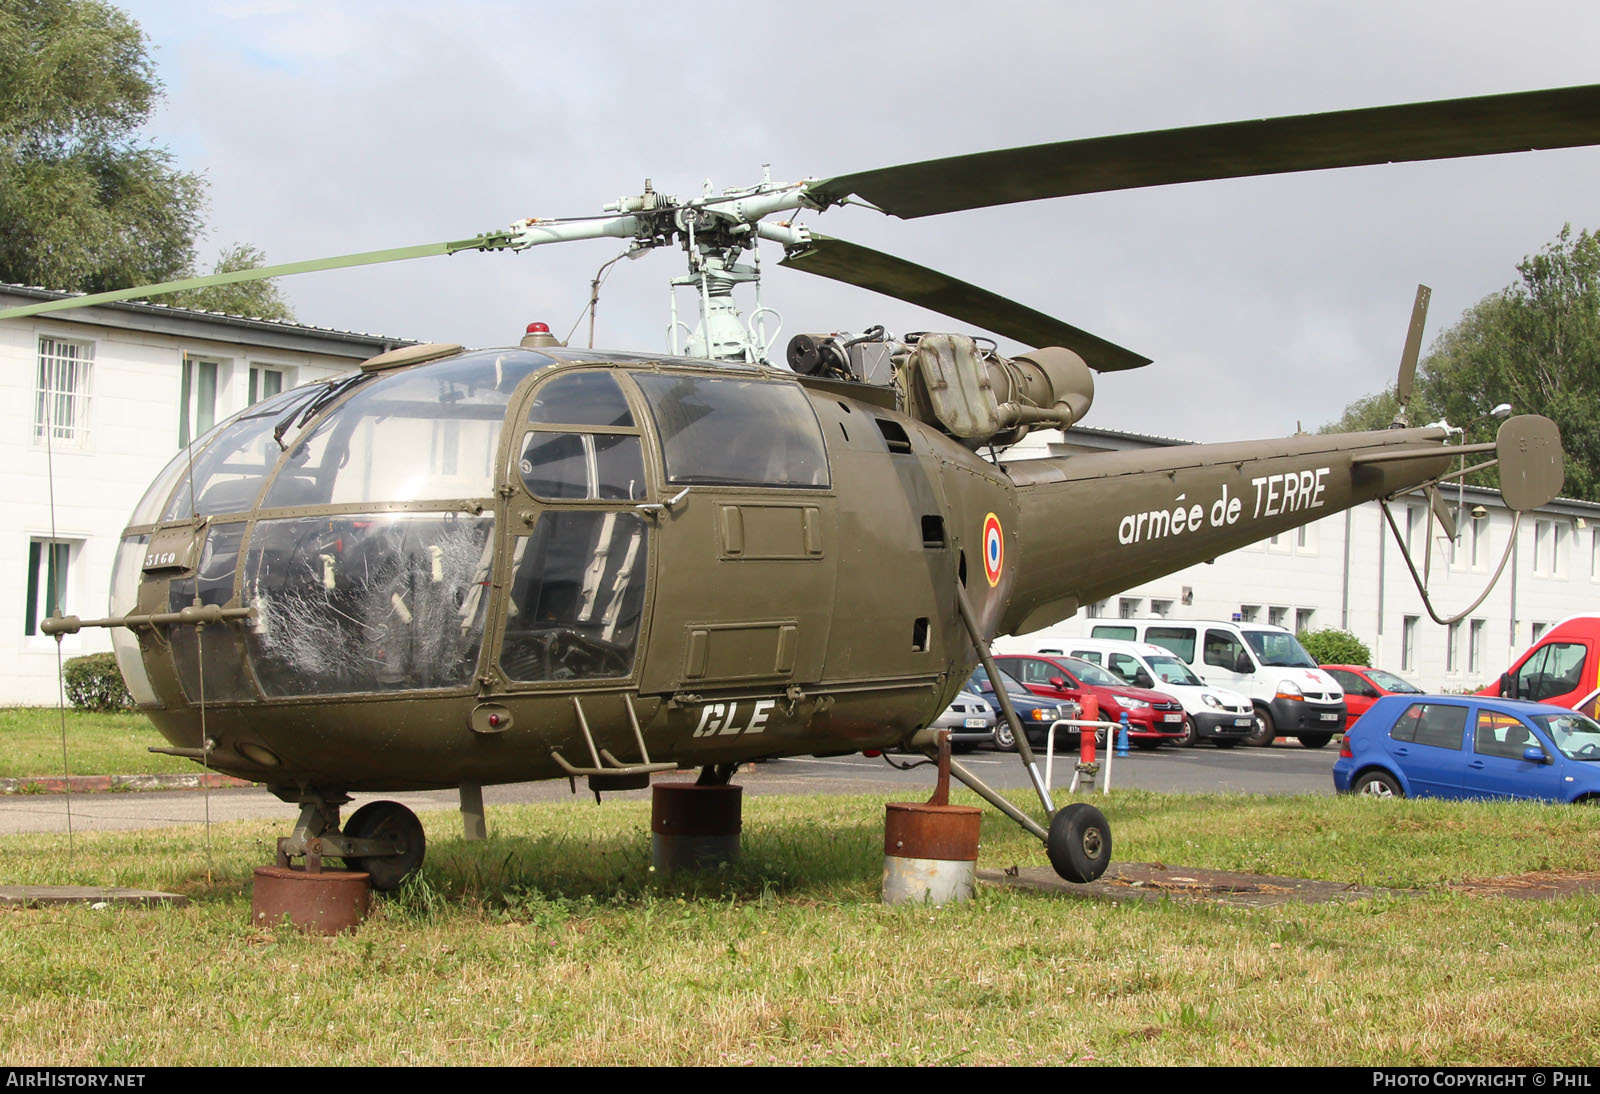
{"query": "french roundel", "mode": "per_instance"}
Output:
(994, 549)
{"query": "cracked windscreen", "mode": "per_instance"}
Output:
(367, 602)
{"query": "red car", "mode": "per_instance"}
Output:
(1153, 716)
(1364, 686)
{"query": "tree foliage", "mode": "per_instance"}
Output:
(258, 299)
(1535, 344)
(94, 682)
(1335, 647)
(86, 204)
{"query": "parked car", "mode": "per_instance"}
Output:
(1364, 686)
(1153, 716)
(1291, 696)
(1219, 715)
(1469, 746)
(970, 719)
(1561, 667)
(1037, 715)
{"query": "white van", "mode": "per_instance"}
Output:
(1291, 695)
(1219, 715)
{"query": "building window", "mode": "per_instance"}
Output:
(1162, 608)
(1302, 619)
(61, 396)
(1408, 644)
(1541, 546)
(1277, 616)
(1249, 613)
(1558, 547)
(1097, 610)
(1539, 629)
(1479, 531)
(48, 561)
(198, 409)
(1475, 646)
(1414, 527)
(1594, 555)
(1128, 607)
(264, 383)
(1452, 648)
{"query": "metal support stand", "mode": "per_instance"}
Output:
(930, 851)
(474, 824)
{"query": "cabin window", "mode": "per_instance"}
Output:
(718, 431)
(226, 476)
(372, 448)
(582, 466)
(577, 597)
(581, 398)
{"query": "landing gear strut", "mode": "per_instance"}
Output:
(382, 839)
(1078, 840)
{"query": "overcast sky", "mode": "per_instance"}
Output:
(327, 128)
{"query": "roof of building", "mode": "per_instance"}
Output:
(218, 326)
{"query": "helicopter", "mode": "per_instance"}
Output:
(457, 567)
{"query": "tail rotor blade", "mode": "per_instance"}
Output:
(1408, 357)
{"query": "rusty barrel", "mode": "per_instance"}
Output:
(326, 902)
(930, 852)
(694, 827)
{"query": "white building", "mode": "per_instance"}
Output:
(97, 401)
(1346, 572)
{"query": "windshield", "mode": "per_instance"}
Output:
(1575, 735)
(1090, 673)
(1169, 670)
(980, 683)
(1279, 649)
(1388, 681)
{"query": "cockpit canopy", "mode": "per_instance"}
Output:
(357, 518)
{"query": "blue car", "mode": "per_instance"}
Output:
(1470, 746)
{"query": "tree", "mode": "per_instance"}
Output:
(1535, 344)
(1335, 647)
(258, 299)
(85, 203)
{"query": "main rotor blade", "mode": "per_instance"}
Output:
(489, 240)
(903, 280)
(1483, 126)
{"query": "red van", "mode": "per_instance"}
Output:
(1562, 668)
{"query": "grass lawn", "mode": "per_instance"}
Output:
(96, 744)
(553, 943)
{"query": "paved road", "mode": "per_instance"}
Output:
(1283, 769)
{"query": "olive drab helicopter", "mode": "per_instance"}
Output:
(457, 567)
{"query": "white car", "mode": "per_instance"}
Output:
(970, 719)
(1219, 715)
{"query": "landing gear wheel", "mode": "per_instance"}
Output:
(1315, 740)
(1004, 739)
(1079, 845)
(1264, 732)
(387, 819)
(1190, 735)
(1376, 784)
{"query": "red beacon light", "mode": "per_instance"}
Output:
(538, 335)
